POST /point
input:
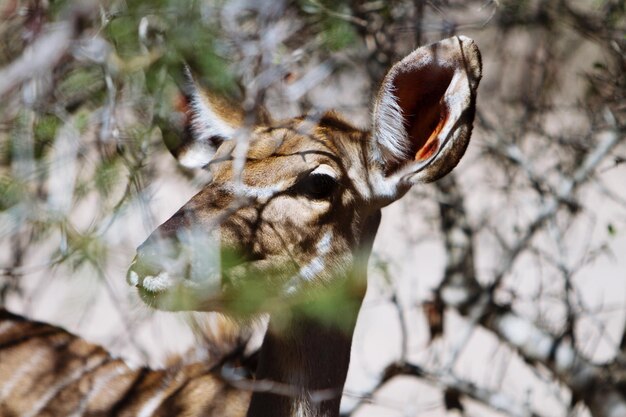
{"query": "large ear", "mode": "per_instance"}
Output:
(208, 121)
(424, 111)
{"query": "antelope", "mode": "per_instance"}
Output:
(287, 220)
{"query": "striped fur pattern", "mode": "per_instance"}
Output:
(47, 371)
(271, 211)
(293, 209)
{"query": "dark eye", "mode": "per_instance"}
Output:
(317, 186)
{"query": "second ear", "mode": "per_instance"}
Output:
(210, 120)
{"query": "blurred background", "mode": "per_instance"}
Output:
(497, 291)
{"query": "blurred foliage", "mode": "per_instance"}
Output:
(117, 84)
(82, 132)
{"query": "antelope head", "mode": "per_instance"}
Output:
(294, 204)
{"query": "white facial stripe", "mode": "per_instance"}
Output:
(371, 183)
(315, 266)
(325, 170)
(368, 182)
(323, 246)
(257, 193)
(312, 269)
(382, 186)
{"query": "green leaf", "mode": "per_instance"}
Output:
(45, 131)
(611, 229)
(338, 34)
(10, 192)
(106, 176)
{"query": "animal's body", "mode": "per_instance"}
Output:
(292, 211)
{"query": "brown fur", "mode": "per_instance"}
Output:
(47, 371)
(296, 220)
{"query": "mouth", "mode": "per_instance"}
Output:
(164, 292)
(182, 297)
(244, 289)
(235, 287)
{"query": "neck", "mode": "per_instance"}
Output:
(308, 361)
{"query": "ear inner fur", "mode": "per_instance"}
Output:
(424, 111)
(420, 93)
(290, 215)
(209, 120)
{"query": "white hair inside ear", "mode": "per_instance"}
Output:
(389, 127)
(423, 114)
(210, 122)
(206, 122)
